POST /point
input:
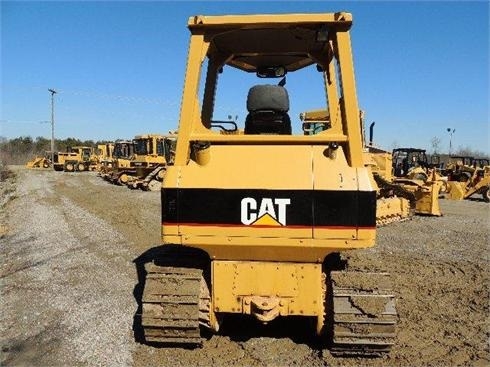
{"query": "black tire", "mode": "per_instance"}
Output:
(465, 177)
(81, 167)
(486, 195)
(69, 167)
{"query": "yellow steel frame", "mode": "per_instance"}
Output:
(343, 108)
(294, 289)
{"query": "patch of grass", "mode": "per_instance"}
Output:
(5, 173)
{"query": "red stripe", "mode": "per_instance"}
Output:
(264, 226)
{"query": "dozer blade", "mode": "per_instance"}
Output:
(427, 199)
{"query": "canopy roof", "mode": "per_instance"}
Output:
(249, 42)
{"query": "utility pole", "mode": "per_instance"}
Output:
(53, 92)
(451, 132)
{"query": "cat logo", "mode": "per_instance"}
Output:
(270, 212)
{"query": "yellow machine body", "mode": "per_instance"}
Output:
(261, 227)
(77, 158)
(477, 183)
(284, 288)
(145, 167)
(259, 201)
(265, 202)
(120, 152)
(40, 162)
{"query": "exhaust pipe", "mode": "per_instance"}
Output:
(371, 128)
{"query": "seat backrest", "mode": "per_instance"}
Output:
(267, 106)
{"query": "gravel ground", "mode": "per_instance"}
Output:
(67, 248)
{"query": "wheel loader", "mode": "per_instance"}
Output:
(253, 220)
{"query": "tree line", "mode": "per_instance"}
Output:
(24, 148)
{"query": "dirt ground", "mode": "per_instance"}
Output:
(70, 244)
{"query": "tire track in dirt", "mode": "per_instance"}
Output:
(73, 306)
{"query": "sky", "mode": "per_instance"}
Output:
(118, 67)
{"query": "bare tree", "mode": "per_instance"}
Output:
(435, 143)
(470, 152)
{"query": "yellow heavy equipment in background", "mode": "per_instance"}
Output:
(468, 176)
(104, 157)
(65, 161)
(412, 171)
(40, 162)
(412, 164)
(121, 157)
(404, 173)
(147, 164)
(393, 203)
(253, 222)
(76, 159)
(460, 168)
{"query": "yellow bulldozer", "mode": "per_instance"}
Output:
(104, 157)
(398, 198)
(122, 153)
(146, 167)
(413, 172)
(253, 221)
(403, 174)
(468, 176)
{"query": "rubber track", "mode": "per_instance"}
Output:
(364, 314)
(171, 304)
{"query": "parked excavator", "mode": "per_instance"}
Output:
(253, 220)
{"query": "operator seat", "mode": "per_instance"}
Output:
(267, 107)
